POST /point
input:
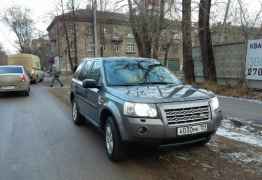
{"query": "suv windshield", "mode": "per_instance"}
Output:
(137, 72)
(11, 70)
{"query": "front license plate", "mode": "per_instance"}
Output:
(8, 87)
(191, 129)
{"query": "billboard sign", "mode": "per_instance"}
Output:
(254, 60)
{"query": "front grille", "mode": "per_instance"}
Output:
(187, 115)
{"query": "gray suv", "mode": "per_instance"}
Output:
(137, 100)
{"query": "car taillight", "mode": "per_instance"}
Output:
(23, 78)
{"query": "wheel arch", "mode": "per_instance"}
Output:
(111, 109)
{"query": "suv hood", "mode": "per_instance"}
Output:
(159, 93)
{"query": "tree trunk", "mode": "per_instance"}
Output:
(167, 52)
(75, 36)
(101, 29)
(159, 27)
(146, 26)
(208, 60)
(67, 38)
(188, 65)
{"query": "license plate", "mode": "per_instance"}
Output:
(8, 87)
(191, 129)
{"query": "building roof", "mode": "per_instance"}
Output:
(85, 15)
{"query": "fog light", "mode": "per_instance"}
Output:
(142, 130)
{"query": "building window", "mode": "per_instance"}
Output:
(89, 30)
(131, 48)
(89, 45)
(116, 49)
(130, 36)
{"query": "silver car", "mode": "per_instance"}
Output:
(139, 101)
(14, 79)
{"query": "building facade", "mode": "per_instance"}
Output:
(114, 37)
(41, 48)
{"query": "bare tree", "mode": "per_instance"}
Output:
(208, 60)
(65, 28)
(72, 7)
(103, 5)
(20, 22)
(158, 28)
(188, 65)
(249, 23)
(147, 22)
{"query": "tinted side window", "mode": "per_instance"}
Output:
(95, 71)
(85, 71)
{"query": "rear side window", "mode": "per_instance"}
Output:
(11, 70)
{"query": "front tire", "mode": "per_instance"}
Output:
(114, 146)
(76, 116)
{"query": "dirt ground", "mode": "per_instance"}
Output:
(221, 159)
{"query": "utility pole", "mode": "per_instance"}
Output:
(94, 7)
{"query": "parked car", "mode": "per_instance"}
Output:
(14, 79)
(31, 63)
(137, 100)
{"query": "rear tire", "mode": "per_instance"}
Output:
(115, 148)
(76, 116)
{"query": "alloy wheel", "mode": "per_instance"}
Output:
(109, 140)
(74, 111)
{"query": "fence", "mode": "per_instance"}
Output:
(172, 64)
(230, 64)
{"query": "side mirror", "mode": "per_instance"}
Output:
(90, 83)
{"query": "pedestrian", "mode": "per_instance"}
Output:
(56, 74)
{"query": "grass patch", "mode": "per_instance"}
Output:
(228, 90)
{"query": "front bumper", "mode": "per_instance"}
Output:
(158, 131)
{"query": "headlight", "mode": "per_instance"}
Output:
(214, 103)
(140, 110)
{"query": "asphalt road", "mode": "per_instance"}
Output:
(242, 109)
(39, 141)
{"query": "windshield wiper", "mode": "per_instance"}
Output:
(144, 83)
(134, 84)
(159, 83)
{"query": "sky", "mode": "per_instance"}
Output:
(41, 10)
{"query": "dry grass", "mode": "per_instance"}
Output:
(235, 91)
